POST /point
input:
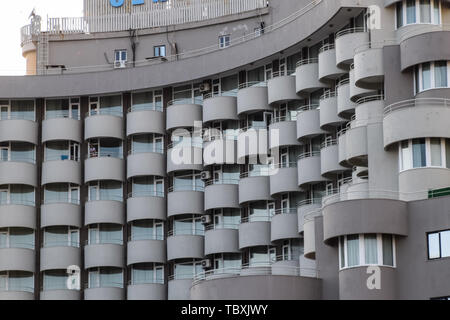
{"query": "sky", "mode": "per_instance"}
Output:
(14, 15)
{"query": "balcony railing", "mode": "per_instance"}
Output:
(196, 100)
(419, 102)
(308, 154)
(230, 93)
(104, 111)
(17, 245)
(221, 182)
(146, 193)
(251, 84)
(349, 31)
(16, 288)
(307, 61)
(66, 243)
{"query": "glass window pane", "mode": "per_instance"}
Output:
(388, 252)
(436, 12)
(425, 11)
(435, 148)
(445, 244)
(399, 14)
(370, 249)
(447, 152)
(419, 157)
(440, 74)
(426, 76)
(143, 101)
(434, 251)
(352, 250)
(410, 11)
(341, 245)
(406, 156)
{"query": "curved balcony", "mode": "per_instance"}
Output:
(353, 284)
(18, 173)
(111, 293)
(104, 211)
(307, 77)
(233, 285)
(306, 207)
(346, 42)
(253, 96)
(309, 170)
(61, 214)
(183, 115)
(356, 146)
(220, 108)
(254, 188)
(147, 291)
(308, 122)
(146, 164)
(18, 215)
(185, 202)
(138, 204)
(222, 240)
(19, 130)
(429, 116)
(62, 129)
(329, 118)
(365, 216)
(185, 246)
(104, 255)
(184, 157)
(220, 151)
(104, 125)
(284, 225)
(142, 251)
(327, 64)
(329, 158)
(254, 233)
(369, 69)
(26, 294)
(283, 133)
(355, 91)
(417, 183)
(104, 168)
(59, 295)
(281, 88)
(221, 194)
(145, 121)
(61, 171)
(345, 106)
(18, 259)
(423, 43)
(59, 257)
(342, 141)
(179, 289)
(284, 179)
(309, 234)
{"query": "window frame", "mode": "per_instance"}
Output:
(158, 49)
(224, 41)
(440, 245)
(428, 160)
(403, 5)
(418, 77)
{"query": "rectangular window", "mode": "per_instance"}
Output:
(417, 79)
(426, 76)
(439, 244)
(370, 246)
(410, 11)
(224, 41)
(440, 74)
(399, 11)
(406, 156)
(425, 11)
(388, 252)
(435, 152)
(419, 156)
(447, 152)
(342, 253)
(436, 12)
(352, 250)
(159, 51)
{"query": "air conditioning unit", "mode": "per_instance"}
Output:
(206, 219)
(205, 175)
(206, 264)
(120, 64)
(204, 87)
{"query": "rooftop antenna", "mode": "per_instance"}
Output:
(32, 14)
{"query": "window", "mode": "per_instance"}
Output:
(62, 108)
(147, 143)
(105, 277)
(424, 152)
(147, 230)
(17, 238)
(148, 100)
(110, 105)
(147, 186)
(105, 148)
(188, 226)
(62, 150)
(61, 236)
(17, 194)
(105, 190)
(418, 11)
(439, 245)
(366, 249)
(61, 193)
(120, 56)
(224, 41)
(432, 75)
(159, 51)
(143, 273)
(17, 152)
(105, 233)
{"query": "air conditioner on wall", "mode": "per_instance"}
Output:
(204, 87)
(119, 64)
(206, 219)
(206, 264)
(205, 175)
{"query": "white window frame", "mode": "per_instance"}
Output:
(418, 16)
(70, 231)
(419, 73)
(224, 41)
(362, 256)
(427, 155)
(120, 51)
